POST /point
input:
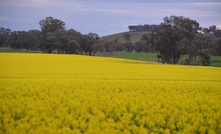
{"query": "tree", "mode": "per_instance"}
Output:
(61, 40)
(218, 42)
(14, 40)
(74, 41)
(212, 28)
(104, 46)
(217, 33)
(56, 40)
(72, 47)
(143, 46)
(132, 28)
(49, 42)
(165, 41)
(22, 42)
(88, 41)
(189, 48)
(148, 39)
(138, 46)
(206, 30)
(74, 35)
(144, 27)
(28, 40)
(127, 37)
(195, 45)
(204, 55)
(48, 26)
(128, 46)
(34, 39)
(166, 37)
(4, 36)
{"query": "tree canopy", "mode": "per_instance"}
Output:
(49, 24)
(178, 35)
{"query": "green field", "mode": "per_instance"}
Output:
(216, 61)
(10, 50)
(152, 57)
(136, 56)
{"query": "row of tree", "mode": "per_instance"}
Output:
(178, 35)
(138, 28)
(20, 39)
(174, 37)
(54, 38)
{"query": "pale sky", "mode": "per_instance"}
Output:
(105, 17)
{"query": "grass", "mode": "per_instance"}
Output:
(136, 56)
(152, 57)
(10, 50)
(216, 61)
(135, 36)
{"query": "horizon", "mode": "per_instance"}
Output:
(105, 17)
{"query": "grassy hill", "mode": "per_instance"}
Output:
(135, 36)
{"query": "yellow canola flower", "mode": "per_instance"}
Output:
(43, 93)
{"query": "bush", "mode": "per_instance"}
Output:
(205, 57)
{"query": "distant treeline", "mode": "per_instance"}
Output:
(139, 28)
(174, 37)
(149, 28)
(55, 38)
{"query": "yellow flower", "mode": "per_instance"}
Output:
(42, 93)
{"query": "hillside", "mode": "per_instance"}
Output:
(135, 36)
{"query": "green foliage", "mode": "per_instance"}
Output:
(166, 37)
(51, 30)
(88, 41)
(49, 24)
(4, 36)
(204, 55)
(177, 36)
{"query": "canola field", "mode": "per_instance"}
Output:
(49, 93)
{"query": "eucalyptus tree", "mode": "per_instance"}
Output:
(48, 26)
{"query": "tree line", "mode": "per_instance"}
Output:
(53, 38)
(139, 28)
(178, 35)
(174, 37)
